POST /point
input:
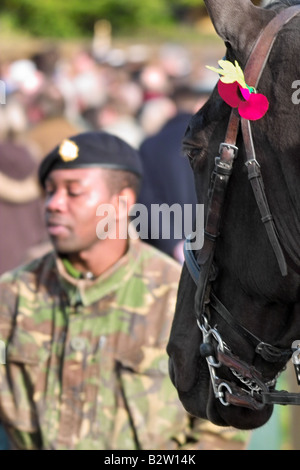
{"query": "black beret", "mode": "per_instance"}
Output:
(91, 149)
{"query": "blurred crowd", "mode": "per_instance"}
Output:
(50, 96)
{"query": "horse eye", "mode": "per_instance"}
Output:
(192, 153)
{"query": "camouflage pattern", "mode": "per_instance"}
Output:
(86, 363)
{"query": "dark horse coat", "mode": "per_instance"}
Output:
(248, 281)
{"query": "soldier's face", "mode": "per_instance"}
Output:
(72, 199)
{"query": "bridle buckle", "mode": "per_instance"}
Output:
(229, 147)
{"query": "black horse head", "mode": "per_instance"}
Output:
(248, 280)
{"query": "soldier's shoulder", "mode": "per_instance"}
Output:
(158, 259)
(28, 270)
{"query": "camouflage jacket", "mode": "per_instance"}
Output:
(86, 365)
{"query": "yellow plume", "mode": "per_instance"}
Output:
(231, 73)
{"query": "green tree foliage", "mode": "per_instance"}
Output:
(67, 18)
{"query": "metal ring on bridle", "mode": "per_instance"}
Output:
(207, 332)
(221, 394)
(217, 337)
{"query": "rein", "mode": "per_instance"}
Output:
(260, 392)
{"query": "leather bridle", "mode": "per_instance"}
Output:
(258, 391)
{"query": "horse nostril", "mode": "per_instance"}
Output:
(206, 350)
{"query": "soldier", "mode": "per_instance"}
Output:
(86, 325)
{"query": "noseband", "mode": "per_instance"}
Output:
(258, 391)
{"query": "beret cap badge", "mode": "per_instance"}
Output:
(68, 150)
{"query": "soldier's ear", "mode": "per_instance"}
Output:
(124, 202)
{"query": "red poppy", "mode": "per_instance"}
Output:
(251, 105)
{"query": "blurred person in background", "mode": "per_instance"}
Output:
(168, 177)
(48, 123)
(155, 81)
(22, 225)
(46, 60)
(115, 117)
(118, 112)
(155, 113)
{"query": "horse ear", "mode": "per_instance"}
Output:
(238, 22)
